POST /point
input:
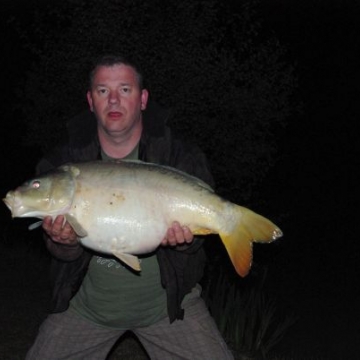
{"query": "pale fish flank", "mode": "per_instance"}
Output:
(125, 208)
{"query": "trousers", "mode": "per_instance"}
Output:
(67, 336)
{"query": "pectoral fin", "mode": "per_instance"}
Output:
(80, 231)
(130, 260)
(35, 225)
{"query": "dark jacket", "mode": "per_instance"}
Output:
(181, 268)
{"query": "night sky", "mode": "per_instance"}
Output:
(314, 270)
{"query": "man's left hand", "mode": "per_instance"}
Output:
(177, 235)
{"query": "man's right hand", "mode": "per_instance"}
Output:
(60, 231)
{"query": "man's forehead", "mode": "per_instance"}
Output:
(119, 73)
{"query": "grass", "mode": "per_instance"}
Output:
(246, 317)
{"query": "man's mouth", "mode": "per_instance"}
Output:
(114, 114)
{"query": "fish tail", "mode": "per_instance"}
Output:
(250, 227)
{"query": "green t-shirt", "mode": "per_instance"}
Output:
(111, 295)
(114, 296)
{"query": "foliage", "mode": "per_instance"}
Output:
(247, 319)
(227, 84)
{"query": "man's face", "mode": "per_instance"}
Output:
(116, 99)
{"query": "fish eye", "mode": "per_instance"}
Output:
(35, 184)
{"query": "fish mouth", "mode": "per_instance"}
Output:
(13, 203)
(9, 200)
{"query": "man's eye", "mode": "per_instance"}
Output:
(102, 91)
(125, 90)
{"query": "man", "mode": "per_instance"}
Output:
(95, 298)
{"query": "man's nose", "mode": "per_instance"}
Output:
(114, 97)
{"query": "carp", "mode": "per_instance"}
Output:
(124, 208)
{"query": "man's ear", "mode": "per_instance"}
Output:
(144, 98)
(90, 100)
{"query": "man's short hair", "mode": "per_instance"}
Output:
(111, 60)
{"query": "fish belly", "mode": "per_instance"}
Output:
(133, 219)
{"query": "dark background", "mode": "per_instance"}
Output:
(316, 177)
(313, 270)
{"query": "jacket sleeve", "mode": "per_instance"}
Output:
(191, 159)
(55, 158)
(63, 252)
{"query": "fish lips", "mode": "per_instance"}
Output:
(14, 204)
(9, 200)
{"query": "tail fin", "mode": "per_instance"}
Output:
(250, 227)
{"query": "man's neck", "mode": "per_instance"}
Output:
(119, 146)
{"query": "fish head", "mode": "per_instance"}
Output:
(47, 195)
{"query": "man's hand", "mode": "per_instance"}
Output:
(60, 230)
(177, 235)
